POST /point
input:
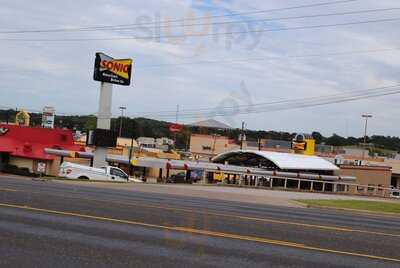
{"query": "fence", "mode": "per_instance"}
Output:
(300, 184)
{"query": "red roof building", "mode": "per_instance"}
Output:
(27, 142)
(24, 147)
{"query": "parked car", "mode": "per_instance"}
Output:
(108, 173)
(177, 178)
(195, 175)
(395, 194)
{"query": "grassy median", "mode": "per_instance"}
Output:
(373, 206)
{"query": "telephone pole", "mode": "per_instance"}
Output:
(242, 136)
(122, 108)
(366, 116)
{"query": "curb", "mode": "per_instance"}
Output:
(359, 211)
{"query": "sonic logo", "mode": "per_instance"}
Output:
(299, 146)
(303, 144)
(118, 67)
(110, 70)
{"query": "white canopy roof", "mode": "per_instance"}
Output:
(286, 161)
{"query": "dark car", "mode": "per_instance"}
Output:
(195, 175)
(178, 178)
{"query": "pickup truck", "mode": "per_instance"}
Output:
(108, 173)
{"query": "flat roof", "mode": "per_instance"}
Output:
(287, 161)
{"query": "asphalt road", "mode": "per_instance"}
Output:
(48, 224)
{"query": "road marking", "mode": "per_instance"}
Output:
(248, 218)
(202, 232)
(324, 227)
(9, 190)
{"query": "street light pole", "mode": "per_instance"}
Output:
(122, 116)
(242, 136)
(366, 116)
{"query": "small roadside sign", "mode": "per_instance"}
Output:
(41, 167)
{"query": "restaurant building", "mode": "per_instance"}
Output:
(24, 147)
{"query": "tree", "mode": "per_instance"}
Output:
(317, 137)
(91, 123)
(336, 140)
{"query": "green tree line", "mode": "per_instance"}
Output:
(143, 127)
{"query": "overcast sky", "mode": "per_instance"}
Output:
(59, 73)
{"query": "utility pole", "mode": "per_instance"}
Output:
(8, 116)
(176, 122)
(177, 114)
(366, 116)
(130, 154)
(214, 143)
(242, 136)
(122, 108)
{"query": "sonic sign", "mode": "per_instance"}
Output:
(109, 70)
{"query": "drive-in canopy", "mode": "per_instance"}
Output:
(275, 160)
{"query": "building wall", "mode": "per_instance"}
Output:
(210, 144)
(356, 152)
(126, 142)
(22, 163)
(367, 175)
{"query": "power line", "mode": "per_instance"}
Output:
(269, 19)
(284, 108)
(32, 110)
(207, 34)
(329, 54)
(276, 105)
(362, 91)
(186, 19)
(282, 104)
(207, 24)
(272, 58)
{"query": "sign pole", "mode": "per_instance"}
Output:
(108, 71)
(103, 121)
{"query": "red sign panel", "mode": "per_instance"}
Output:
(174, 128)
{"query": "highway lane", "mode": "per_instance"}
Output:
(53, 224)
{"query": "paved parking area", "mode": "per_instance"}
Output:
(226, 193)
(248, 195)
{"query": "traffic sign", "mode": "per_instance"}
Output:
(41, 167)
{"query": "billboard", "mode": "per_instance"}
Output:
(48, 117)
(110, 70)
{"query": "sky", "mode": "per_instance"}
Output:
(205, 69)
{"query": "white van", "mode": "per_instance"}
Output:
(75, 171)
